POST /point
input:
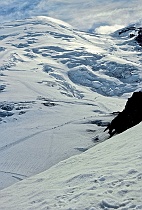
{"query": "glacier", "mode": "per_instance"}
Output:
(60, 87)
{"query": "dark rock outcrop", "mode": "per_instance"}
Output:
(127, 29)
(133, 31)
(139, 37)
(129, 117)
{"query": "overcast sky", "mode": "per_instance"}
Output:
(82, 14)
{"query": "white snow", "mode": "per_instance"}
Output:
(47, 103)
(108, 176)
(59, 88)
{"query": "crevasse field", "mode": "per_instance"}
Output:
(65, 71)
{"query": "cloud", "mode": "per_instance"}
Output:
(108, 29)
(82, 14)
(87, 15)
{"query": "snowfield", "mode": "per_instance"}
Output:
(59, 89)
(50, 108)
(108, 176)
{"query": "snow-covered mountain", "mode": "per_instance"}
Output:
(59, 88)
(84, 15)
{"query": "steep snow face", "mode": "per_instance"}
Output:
(108, 176)
(53, 88)
(82, 14)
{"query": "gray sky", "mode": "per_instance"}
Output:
(82, 14)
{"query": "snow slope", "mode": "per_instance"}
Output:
(108, 176)
(59, 88)
(52, 81)
(46, 107)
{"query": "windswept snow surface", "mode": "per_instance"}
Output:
(59, 88)
(108, 176)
